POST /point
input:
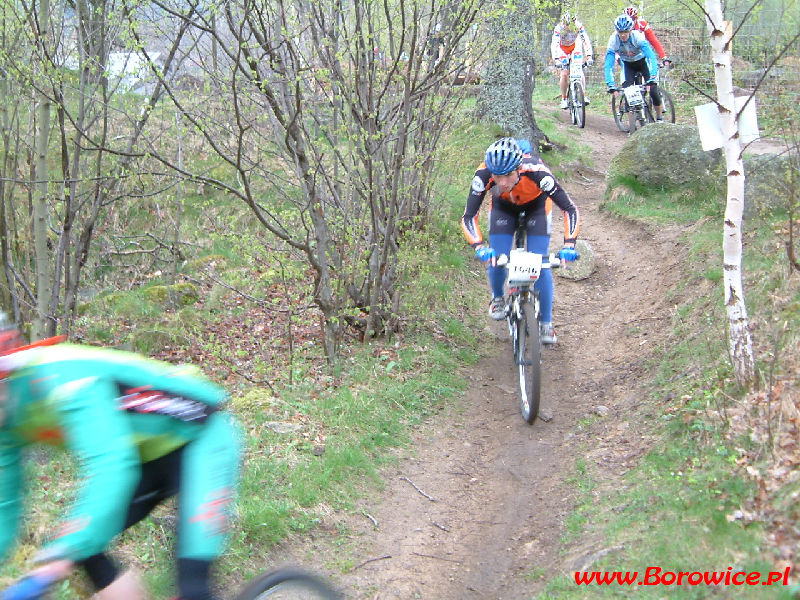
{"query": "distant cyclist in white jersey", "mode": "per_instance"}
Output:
(569, 36)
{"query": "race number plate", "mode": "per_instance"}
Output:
(523, 267)
(634, 95)
(576, 67)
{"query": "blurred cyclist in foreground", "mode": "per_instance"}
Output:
(143, 431)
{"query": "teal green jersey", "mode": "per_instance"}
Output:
(114, 411)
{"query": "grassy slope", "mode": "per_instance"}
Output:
(702, 498)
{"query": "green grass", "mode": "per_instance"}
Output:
(664, 207)
(570, 149)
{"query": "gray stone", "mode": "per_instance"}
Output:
(767, 184)
(664, 156)
(282, 427)
(581, 268)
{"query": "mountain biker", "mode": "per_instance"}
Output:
(569, 36)
(143, 431)
(636, 56)
(518, 184)
(649, 34)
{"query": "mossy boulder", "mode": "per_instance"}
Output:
(767, 184)
(665, 156)
(184, 294)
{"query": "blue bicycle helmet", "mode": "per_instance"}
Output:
(525, 146)
(503, 156)
(623, 23)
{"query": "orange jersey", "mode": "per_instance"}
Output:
(535, 191)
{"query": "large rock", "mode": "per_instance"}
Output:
(767, 184)
(664, 156)
(581, 268)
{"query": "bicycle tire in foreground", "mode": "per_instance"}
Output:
(529, 361)
(288, 584)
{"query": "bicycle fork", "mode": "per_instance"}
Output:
(515, 319)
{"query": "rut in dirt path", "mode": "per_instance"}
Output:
(479, 510)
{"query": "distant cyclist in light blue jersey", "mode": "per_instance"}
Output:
(636, 56)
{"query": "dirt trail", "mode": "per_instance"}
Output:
(483, 500)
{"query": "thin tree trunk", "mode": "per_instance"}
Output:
(739, 341)
(40, 224)
(6, 290)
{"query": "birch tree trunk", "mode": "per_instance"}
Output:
(740, 345)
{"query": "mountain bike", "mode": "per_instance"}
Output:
(636, 105)
(523, 316)
(280, 584)
(576, 96)
(633, 111)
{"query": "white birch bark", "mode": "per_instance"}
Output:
(740, 344)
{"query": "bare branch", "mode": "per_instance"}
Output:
(414, 485)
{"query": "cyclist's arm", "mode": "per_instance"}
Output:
(555, 43)
(572, 217)
(608, 67)
(651, 37)
(469, 222)
(10, 493)
(101, 438)
(548, 184)
(650, 56)
(587, 42)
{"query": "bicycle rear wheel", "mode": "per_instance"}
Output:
(288, 584)
(529, 362)
(578, 105)
(669, 107)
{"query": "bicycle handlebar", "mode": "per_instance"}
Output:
(552, 262)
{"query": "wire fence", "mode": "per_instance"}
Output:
(687, 43)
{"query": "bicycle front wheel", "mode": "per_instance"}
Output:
(529, 362)
(288, 584)
(620, 118)
(633, 118)
(578, 105)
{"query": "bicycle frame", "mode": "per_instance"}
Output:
(520, 292)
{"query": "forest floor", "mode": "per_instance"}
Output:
(480, 501)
